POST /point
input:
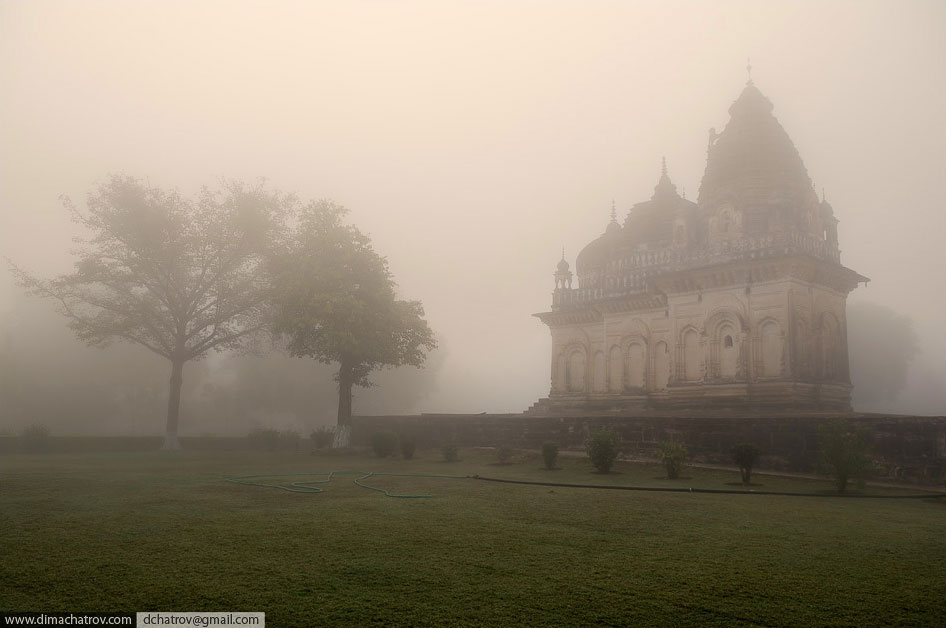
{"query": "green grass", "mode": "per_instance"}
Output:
(155, 532)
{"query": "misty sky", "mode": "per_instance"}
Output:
(473, 140)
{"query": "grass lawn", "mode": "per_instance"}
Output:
(157, 532)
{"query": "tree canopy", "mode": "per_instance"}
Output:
(883, 344)
(335, 301)
(177, 276)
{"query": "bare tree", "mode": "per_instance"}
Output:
(176, 276)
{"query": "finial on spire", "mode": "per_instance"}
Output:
(683, 191)
(749, 70)
(663, 166)
(614, 211)
(563, 251)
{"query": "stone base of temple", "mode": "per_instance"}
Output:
(693, 399)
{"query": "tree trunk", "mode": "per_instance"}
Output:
(746, 474)
(343, 427)
(174, 406)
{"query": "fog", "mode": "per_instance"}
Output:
(473, 141)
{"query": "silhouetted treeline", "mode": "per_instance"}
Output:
(48, 377)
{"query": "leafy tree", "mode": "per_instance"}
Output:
(177, 276)
(845, 452)
(883, 344)
(335, 302)
(745, 455)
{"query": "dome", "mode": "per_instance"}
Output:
(652, 222)
(562, 265)
(595, 254)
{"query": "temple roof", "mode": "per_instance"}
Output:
(755, 200)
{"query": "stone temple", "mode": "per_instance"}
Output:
(734, 301)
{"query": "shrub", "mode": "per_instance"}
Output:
(264, 439)
(672, 455)
(745, 455)
(845, 452)
(503, 454)
(384, 443)
(408, 446)
(451, 453)
(550, 454)
(289, 440)
(322, 437)
(603, 448)
(34, 438)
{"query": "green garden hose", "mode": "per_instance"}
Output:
(306, 485)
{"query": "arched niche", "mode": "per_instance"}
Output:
(728, 348)
(661, 365)
(692, 362)
(772, 342)
(577, 365)
(599, 373)
(830, 347)
(615, 369)
(637, 364)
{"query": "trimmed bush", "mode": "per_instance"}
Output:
(289, 440)
(408, 446)
(504, 454)
(264, 439)
(322, 437)
(550, 454)
(34, 438)
(745, 455)
(603, 448)
(672, 456)
(451, 453)
(384, 443)
(845, 452)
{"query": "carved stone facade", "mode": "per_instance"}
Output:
(735, 300)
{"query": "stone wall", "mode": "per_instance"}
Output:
(910, 449)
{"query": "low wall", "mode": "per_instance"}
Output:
(123, 444)
(910, 449)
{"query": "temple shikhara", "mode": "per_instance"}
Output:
(736, 300)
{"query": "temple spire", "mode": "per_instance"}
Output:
(749, 70)
(614, 211)
(665, 188)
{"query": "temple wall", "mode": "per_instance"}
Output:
(910, 449)
(781, 330)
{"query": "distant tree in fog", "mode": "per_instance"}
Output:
(335, 301)
(176, 276)
(882, 344)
